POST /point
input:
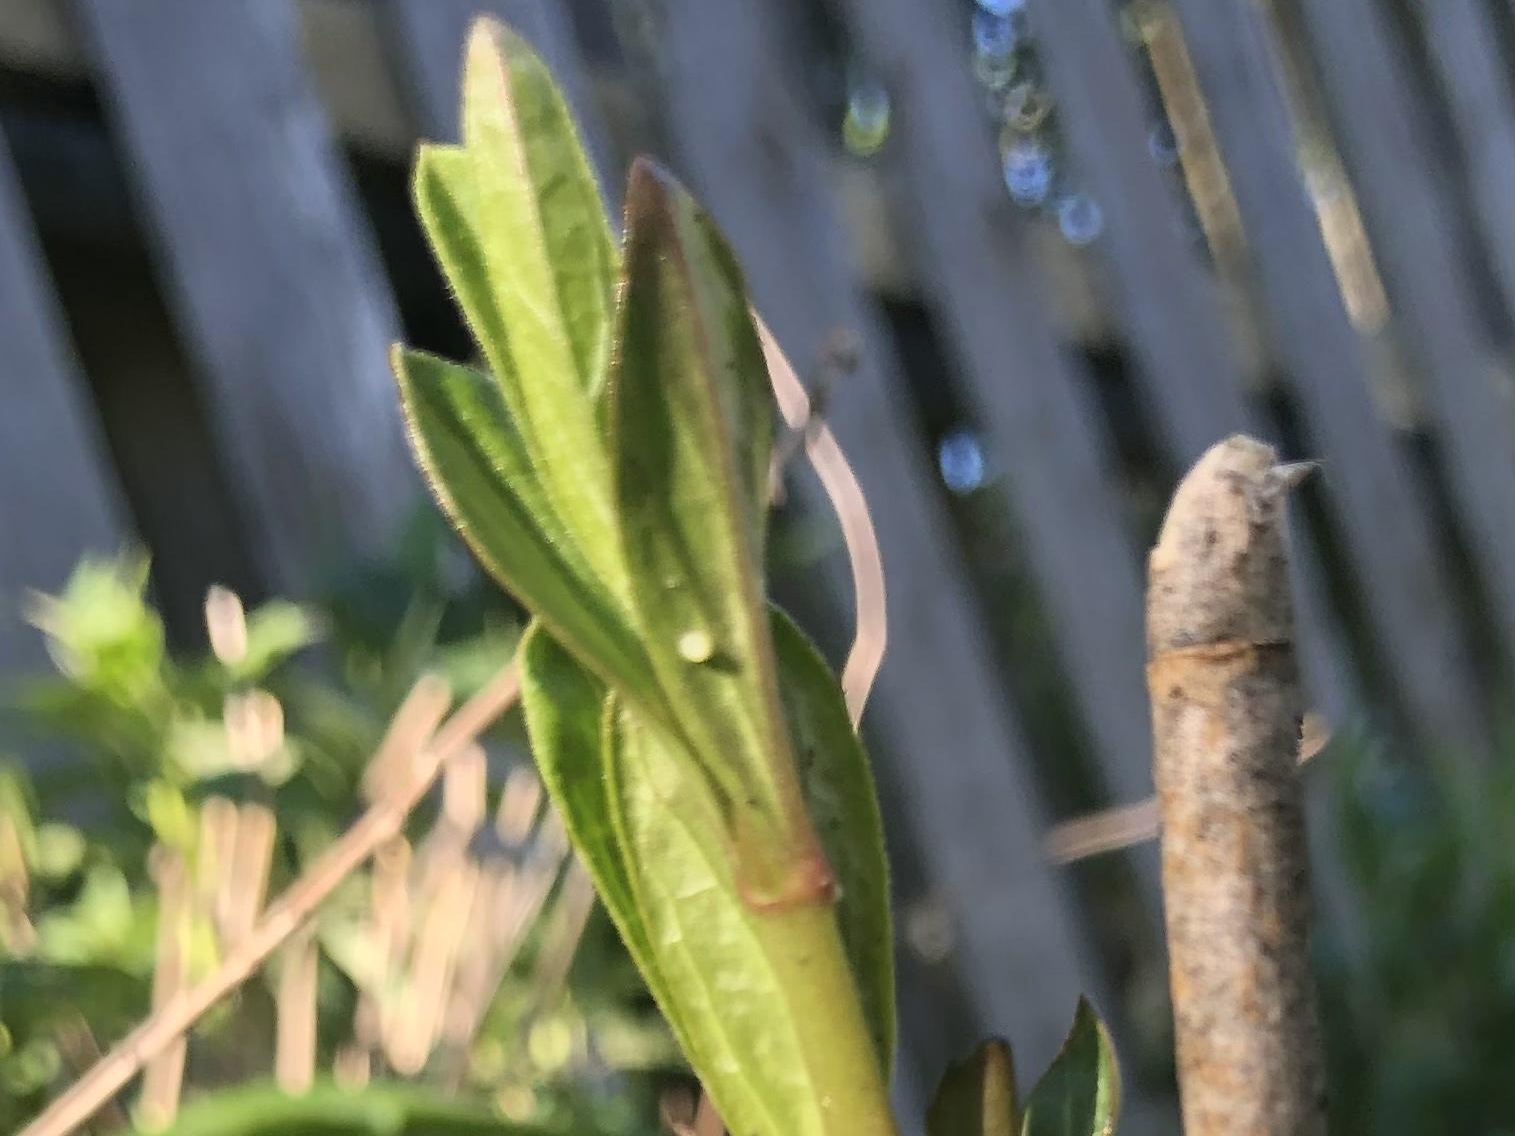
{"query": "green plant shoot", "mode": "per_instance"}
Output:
(610, 471)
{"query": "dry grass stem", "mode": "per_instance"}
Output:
(226, 622)
(519, 802)
(163, 1078)
(295, 1007)
(515, 899)
(560, 941)
(77, 1044)
(417, 1020)
(846, 496)
(246, 883)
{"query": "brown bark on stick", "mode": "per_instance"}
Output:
(1227, 706)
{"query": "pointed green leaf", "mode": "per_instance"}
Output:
(551, 254)
(688, 442)
(521, 233)
(764, 1001)
(562, 704)
(564, 707)
(476, 464)
(1079, 1094)
(566, 712)
(843, 807)
(977, 1095)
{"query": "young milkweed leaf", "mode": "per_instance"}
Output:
(517, 223)
(1079, 1094)
(688, 444)
(977, 1095)
(476, 464)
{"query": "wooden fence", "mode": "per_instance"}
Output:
(1350, 163)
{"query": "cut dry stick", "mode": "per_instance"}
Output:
(1226, 709)
(423, 708)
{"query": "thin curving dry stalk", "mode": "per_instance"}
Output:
(418, 717)
(851, 507)
(1226, 708)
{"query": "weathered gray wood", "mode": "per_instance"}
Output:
(1377, 503)
(1171, 312)
(1037, 402)
(1464, 47)
(58, 496)
(1384, 138)
(949, 734)
(1187, 366)
(268, 267)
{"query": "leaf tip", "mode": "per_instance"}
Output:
(977, 1095)
(650, 193)
(496, 58)
(485, 45)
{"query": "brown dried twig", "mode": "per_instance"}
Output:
(418, 717)
(1226, 710)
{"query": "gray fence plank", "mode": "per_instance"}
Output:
(58, 496)
(1464, 47)
(1172, 315)
(1377, 503)
(1383, 135)
(269, 268)
(951, 740)
(1168, 304)
(1037, 402)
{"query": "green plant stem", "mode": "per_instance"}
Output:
(805, 951)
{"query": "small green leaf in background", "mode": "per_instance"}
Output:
(1079, 1094)
(100, 631)
(977, 1095)
(377, 1110)
(275, 631)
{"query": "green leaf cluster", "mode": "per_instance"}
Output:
(1078, 1095)
(133, 745)
(610, 469)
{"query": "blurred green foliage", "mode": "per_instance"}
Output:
(1419, 1021)
(126, 742)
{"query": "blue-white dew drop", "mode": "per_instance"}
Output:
(961, 461)
(1028, 172)
(1080, 219)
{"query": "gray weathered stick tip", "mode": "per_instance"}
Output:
(1217, 573)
